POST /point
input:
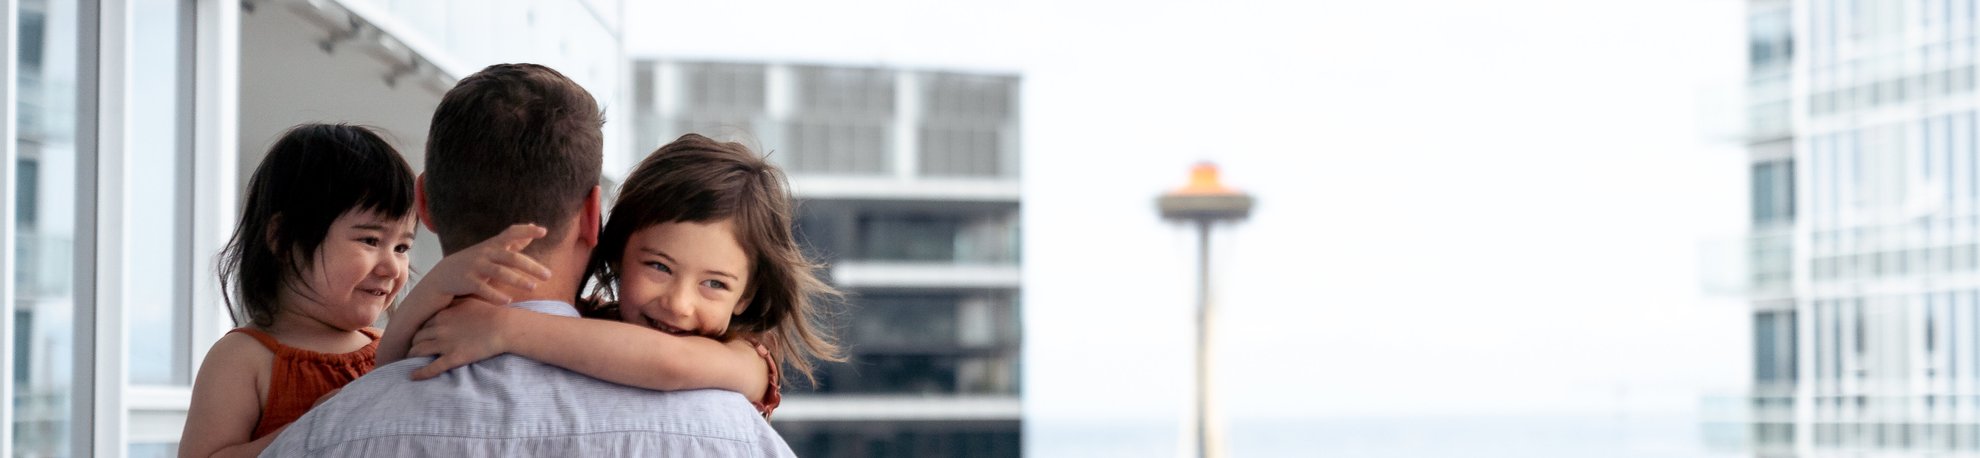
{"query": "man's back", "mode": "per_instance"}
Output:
(513, 406)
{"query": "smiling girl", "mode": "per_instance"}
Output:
(319, 253)
(699, 273)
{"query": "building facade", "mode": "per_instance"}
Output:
(126, 132)
(1864, 256)
(908, 189)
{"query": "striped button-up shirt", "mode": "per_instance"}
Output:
(513, 406)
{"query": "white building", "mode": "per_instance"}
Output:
(908, 188)
(1865, 251)
(129, 127)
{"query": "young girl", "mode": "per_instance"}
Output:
(319, 253)
(700, 249)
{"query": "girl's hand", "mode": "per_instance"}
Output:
(470, 274)
(478, 270)
(460, 335)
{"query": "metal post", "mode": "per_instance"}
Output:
(1203, 338)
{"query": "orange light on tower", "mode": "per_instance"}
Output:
(1204, 201)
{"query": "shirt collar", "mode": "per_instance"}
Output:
(559, 308)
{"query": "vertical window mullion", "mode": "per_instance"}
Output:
(215, 112)
(101, 137)
(9, 28)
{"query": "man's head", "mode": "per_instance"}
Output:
(513, 143)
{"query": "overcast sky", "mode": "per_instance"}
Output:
(1464, 207)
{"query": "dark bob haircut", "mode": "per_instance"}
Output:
(312, 175)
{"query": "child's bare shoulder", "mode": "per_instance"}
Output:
(237, 351)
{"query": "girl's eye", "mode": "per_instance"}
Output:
(660, 267)
(717, 284)
(369, 241)
(402, 248)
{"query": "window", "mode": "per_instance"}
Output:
(937, 342)
(722, 101)
(1818, 338)
(1931, 328)
(837, 145)
(1773, 344)
(938, 237)
(1770, 39)
(966, 125)
(45, 295)
(1953, 333)
(1773, 192)
(961, 149)
(646, 111)
(845, 91)
(158, 215)
(1967, 303)
(1960, 141)
(724, 87)
(27, 179)
(843, 122)
(1820, 164)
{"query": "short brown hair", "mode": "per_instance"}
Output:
(698, 180)
(511, 144)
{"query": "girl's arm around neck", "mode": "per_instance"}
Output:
(608, 350)
(480, 272)
(420, 304)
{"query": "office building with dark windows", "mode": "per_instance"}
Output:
(1864, 255)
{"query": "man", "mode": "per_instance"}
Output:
(520, 143)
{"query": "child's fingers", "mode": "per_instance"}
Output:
(518, 236)
(488, 293)
(438, 366)
(509, 276)
(521, 263)
(421, 348)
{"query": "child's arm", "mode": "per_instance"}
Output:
(226, 401)
(477, 272)
(608, 350)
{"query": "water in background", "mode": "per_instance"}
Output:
(1528, 436)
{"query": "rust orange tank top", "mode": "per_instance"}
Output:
(301, 376)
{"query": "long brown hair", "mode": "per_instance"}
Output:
(699, 180)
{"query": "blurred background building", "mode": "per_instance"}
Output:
(1865, 227)
(908, 188)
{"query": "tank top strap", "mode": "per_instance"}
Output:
(263, 337)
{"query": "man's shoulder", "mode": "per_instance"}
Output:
(520, 379)
(508, 390)
(510, 399)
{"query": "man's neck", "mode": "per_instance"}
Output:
(566, 277)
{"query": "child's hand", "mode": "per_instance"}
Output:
(462, 334)
(475, 271)
(469, 274)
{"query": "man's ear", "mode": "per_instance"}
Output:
(419, 201)
(590, 219)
